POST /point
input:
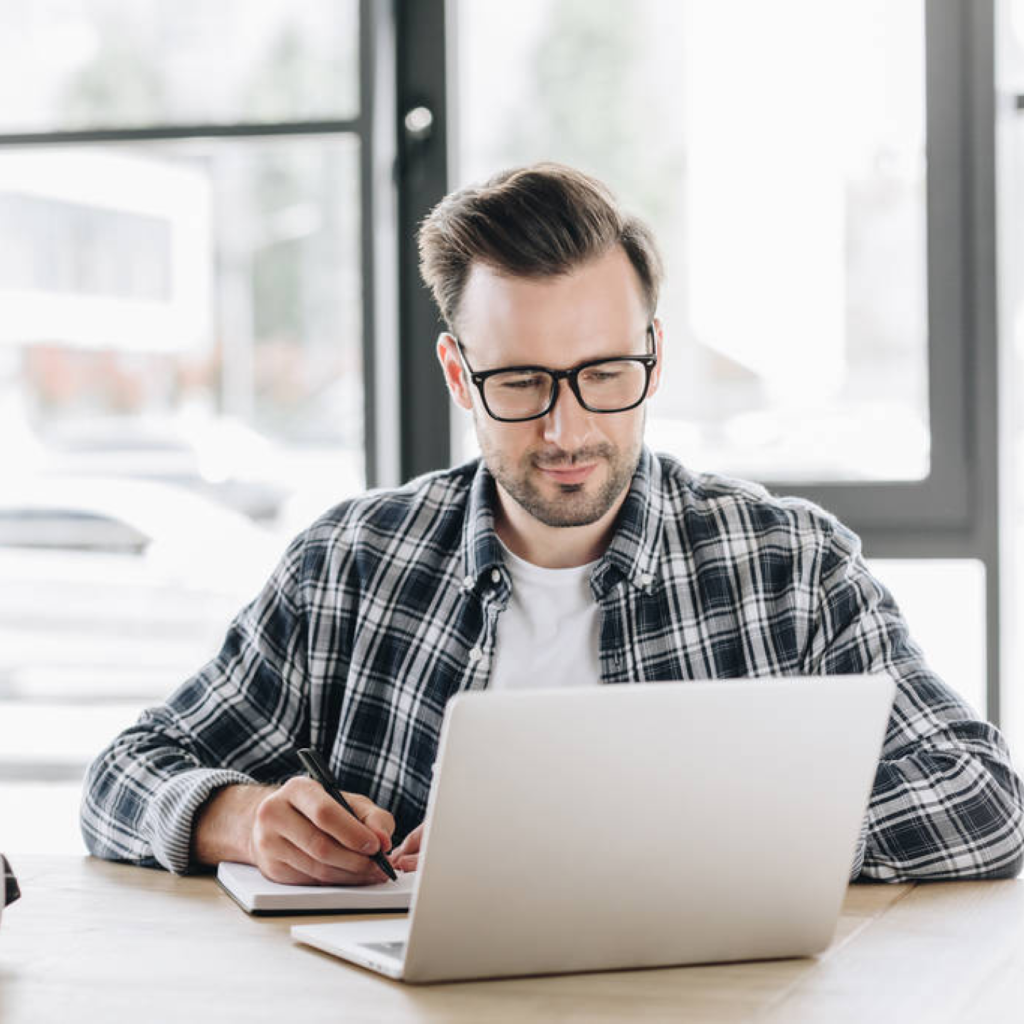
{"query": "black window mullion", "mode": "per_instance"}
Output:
(422, 48)
(376, 188)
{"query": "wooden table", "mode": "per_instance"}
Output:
(92, 941)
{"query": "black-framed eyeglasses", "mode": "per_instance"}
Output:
(513, 394)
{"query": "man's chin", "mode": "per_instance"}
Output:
(566, 519)
(568, 502)
(564, 505)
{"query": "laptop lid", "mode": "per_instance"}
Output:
(643, 825)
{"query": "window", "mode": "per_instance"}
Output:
(820, 178)
(792, 215)
(185, 278)
(209, 288)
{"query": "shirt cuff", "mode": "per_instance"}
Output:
(167, 824)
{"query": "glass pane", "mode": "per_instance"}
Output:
(180, 356)
(951, 633)
(780, 151)
(76, 64)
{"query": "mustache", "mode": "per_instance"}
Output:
(563, 460)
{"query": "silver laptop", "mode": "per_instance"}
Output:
(633, 826)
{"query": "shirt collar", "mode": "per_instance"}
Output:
(632, 554)
(636, 542)
(481, 549)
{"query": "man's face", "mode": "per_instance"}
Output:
(569, 467)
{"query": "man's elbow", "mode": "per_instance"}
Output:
(1011, 869)
(1011, 861)
(1000, 840)
(103, 815)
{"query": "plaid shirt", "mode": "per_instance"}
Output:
(388, 605)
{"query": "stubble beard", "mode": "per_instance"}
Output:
(573, 506)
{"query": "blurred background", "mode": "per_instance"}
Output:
(211, 328)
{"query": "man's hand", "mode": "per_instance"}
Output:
(295, 833)
(406, 856)
(300, 835)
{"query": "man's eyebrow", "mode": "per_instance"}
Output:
(619, 353)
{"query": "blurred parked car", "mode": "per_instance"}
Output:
(218, 458)
(118, 585)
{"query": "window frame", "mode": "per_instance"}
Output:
(955, 510)
(407, 50)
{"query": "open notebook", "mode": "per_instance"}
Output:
(256, 894)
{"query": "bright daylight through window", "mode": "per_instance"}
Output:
(795, 301)
(181, 362)
(779, 151)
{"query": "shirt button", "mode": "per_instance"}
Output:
(468, 582)
(495, 576)
(646, 579)
(475, 655)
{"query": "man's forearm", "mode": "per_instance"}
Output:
(223, 825)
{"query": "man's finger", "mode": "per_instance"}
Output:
(373, 817)
(411, 843)
(321, 847)
(407, 862)
(330, 817)
(319, 873)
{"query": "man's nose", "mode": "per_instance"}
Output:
(568, 424)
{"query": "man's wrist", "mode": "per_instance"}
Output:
(223, 826)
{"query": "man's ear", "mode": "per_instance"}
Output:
(659, 349)
(454, 371)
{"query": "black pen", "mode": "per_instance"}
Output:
(314, 763)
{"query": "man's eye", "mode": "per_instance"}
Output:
(601, 376)
(521, 383)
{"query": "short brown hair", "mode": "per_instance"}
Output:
(538, 221)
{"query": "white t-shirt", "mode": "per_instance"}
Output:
(549, 634)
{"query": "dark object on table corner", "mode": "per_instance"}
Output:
(11, 890)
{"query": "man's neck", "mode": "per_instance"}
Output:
(552, 547)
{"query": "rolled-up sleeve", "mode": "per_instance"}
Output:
(238, 720)
(946, 802)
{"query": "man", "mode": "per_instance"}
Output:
(569, 555)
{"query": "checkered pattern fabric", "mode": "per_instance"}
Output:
(388, 604)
